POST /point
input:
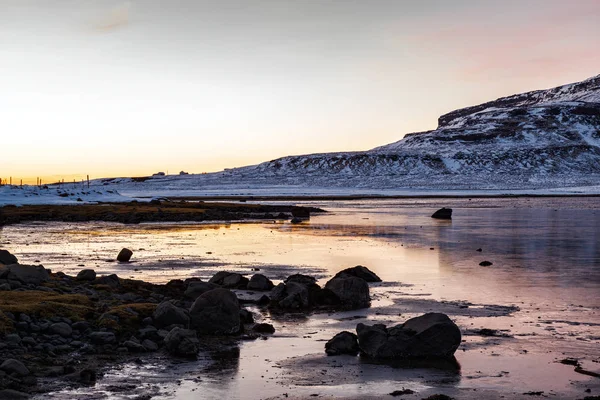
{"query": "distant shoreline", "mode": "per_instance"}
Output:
(369, 197)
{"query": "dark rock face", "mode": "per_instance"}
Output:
(443, 213)
(216, 312)
(229, 280)
(301, 279)
(360, 272)
(86, 275)
(26, 274)
(6, 258)
(290, 296)
(182, 342)
(16, 367)
(195, 289)
(343, 343)
(264, 328)
(167, 314)
(124, 255)
(353, 292)
(259, 282)
(432, 335)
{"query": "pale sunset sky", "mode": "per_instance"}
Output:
(128, 88)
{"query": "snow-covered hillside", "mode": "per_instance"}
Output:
(536, 140)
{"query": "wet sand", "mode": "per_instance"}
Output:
(540, 295)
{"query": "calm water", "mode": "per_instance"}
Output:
(546, 262)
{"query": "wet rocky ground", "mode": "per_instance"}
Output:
(524, 334)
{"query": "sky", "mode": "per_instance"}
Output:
(129, 88)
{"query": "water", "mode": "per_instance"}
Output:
(542, 289)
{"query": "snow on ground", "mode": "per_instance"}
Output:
(53, 194)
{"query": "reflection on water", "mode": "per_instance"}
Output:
(542, 287)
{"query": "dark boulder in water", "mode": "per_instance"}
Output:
(360, 272)
(6, 258)
(486, 263)
(432, 335)
(443, 213)
(343, 343)
(124, 255)
(353, 292)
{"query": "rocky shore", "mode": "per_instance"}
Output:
(158, 210)
(62, 331)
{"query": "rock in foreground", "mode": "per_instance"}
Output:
(353, 292)
(216, 312)
(360, 272)
(443, 213)
(343, 343)
(6, 258)
(432, 335)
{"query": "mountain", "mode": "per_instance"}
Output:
(540, 139)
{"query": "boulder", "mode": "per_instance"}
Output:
(6, 258)
(264, 328)
(86, 275)
(12, 366)
(432, 335)
(230, 280)
(26, 274)
(196, 288)
(290, 296)
(167, 314)
(149, 345)
(353, 292)
(182, 342)
(301, 279)
(443, 213)
(259, 282)
(216, 312)
(360, 272)
(486, 263)
(102, 337)
(343, 343)
(61, 328)
(124, 255)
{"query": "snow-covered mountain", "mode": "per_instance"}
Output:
(541, 139)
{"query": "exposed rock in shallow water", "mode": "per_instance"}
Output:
(430, 335)
(216, 312)
(486, 263)
(290, 296)
(259, 282)
(353, 292)
(343, 343)
(263, 328)
(360, 272)
(443, 213)
(124, 255)
(7, 258)
(182, 342)
(230, 280)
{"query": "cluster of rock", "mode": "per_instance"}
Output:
(432, 335)
(49, 320)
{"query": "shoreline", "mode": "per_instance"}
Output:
(135, 212)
